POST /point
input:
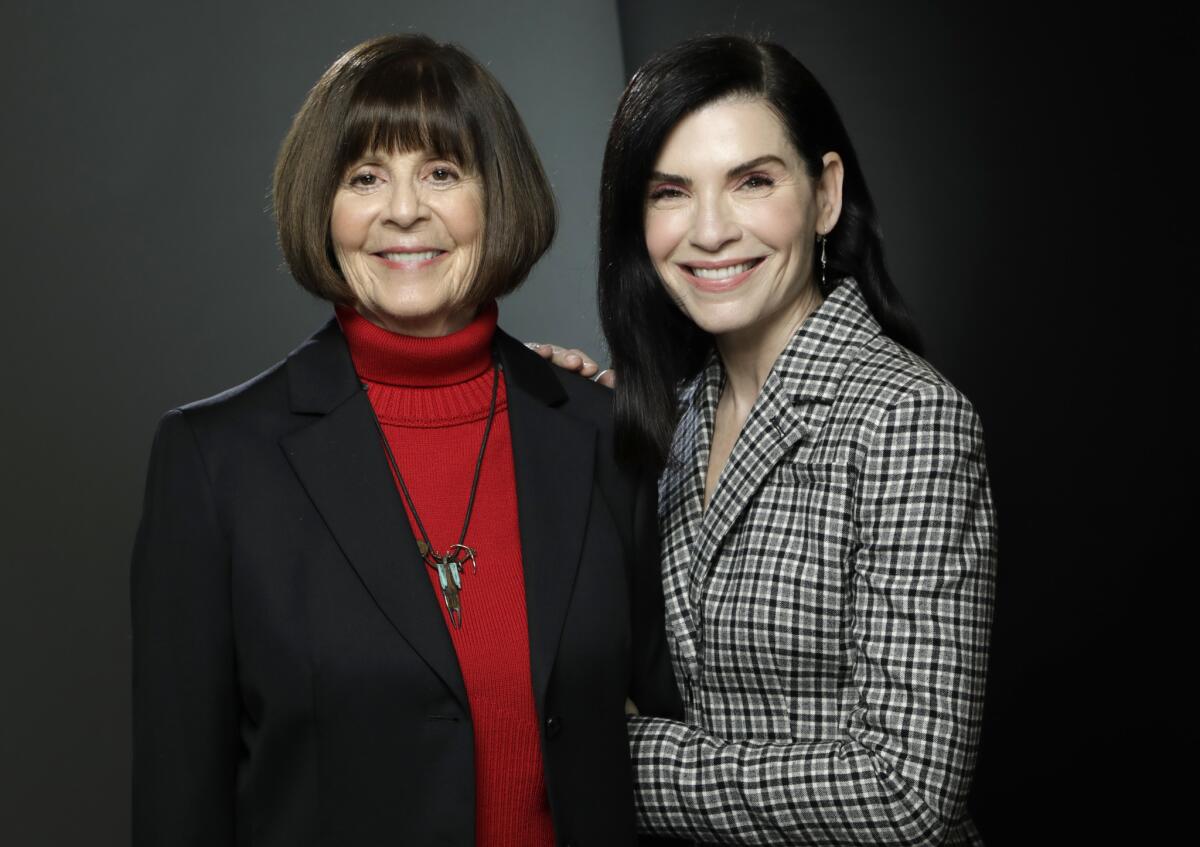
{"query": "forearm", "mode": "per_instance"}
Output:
(692, 784)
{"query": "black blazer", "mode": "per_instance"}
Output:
(294, 682)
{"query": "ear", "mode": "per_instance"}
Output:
(829, 193)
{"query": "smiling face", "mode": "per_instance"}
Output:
(731, 222)
(407, 231)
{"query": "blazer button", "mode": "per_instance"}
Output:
(553, 726)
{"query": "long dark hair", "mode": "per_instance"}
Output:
(653, 345)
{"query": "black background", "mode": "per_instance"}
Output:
(1035, 181)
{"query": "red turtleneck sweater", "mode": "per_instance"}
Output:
(431, 396)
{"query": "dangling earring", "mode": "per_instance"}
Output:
(824, 261)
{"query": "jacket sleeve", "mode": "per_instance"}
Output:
(922, 574)
(185, 716)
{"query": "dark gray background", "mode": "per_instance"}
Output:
(1034, 184)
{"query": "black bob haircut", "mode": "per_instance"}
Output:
(653, 345)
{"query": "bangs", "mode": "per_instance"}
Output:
(406, 106)
(398, 95)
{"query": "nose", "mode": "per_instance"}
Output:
(714, 225)
(406, 206)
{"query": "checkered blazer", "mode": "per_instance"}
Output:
(828, 614)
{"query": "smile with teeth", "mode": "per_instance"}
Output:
(423, 256)
(722, 273)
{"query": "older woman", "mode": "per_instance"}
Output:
(827, 526)
(395, 590)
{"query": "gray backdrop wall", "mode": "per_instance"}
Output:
(141, 272)
(1026, 164)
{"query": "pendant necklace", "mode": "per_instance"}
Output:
(449, 565)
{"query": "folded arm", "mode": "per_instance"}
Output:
(922, 577)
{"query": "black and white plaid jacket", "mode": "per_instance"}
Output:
(828, 614)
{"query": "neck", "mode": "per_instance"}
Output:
(399, 359)
(748, 354)
(423, 326)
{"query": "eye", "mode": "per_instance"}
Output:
(443, 174)
(666, 192)
(757, 181)
(363, 180)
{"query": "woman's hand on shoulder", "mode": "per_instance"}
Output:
(575, 360)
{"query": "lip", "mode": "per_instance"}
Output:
(719, 285)
(413, 263)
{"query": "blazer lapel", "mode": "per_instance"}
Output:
(793, 405)
(553, 455)
(766, 438)
(681, 510)
(341, 464)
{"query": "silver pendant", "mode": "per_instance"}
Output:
(449, 567)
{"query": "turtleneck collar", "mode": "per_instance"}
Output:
(386, 357)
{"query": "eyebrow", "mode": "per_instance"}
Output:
(735, 171)
(769, 159)
(659, 176)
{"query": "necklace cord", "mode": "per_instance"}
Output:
(487, 430)
(395, 467)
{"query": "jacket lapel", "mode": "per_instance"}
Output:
(553, 456)
(681, 510)
(792, 406)
(341, 464)
(767, 436)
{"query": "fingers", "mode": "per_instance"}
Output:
(586, 366)
(568, 358)
(575, 360)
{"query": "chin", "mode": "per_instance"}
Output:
(717, 321)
